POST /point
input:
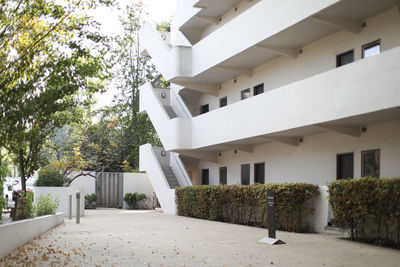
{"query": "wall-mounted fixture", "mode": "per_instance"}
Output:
(301, 140)
(363, 25)
(300, 51)
(219, 87)
(163, 153)
(364, 129)
(220, 154)
(235, 81)
(235, 151)
(163, 95)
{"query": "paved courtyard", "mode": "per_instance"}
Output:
(111, 237)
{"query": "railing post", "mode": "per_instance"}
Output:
(70, 206)
(78, 207)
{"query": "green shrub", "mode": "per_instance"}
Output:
(369, 207)
(3, 200)
(27, 209)
(247, 204)
(90, 201)
(132, 199)
(50, 176)
(46, 205)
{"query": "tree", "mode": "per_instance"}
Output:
(51, 62)
(84, 149)
(132, 71)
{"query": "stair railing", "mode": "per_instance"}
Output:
(182, 173)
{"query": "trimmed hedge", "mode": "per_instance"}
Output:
(247, 204)
(369, 207)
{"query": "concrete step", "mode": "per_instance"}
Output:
(170, 176)
(170, 111)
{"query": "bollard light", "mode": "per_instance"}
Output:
(70, 206)
(78, 209)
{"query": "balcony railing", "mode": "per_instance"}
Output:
(363, 87)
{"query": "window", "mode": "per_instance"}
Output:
(259, 89)
(223, 102)
(371, 49)
(245, 94)
(245, 174)
(370, 163)
(205, 176)
(259, 173)
(204, 109)
(223, 175)
(344, 58)
(345, 166)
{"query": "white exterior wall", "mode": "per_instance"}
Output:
(317, 57)
(15, 234)
(314, 160)
(137, 182)
(62, 193)
(88, 183)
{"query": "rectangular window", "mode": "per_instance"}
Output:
(205, 177)
(345, 166)
(370, 163)
(371, 49)
(258, 89)
(223, 175)
(223, 102)
(245, 174)
(345, 58)
(204, 109)
(245, 94)
(259, 173)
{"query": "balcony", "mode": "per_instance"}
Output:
(339, 100)
(240, 45)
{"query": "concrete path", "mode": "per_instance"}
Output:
(137, 238)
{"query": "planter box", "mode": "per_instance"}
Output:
(15, 234)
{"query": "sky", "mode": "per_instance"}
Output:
(158, 10)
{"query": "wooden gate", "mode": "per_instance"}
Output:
(110, 189)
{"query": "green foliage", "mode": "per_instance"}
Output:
(50, 176)
(247, 205)
(131, 127)
(132, 199)
(90, 201)
(46, 205)
(164, 26)
(52, 60)
(27, 208)
(164, 83)
(3, 200)
(369, 207)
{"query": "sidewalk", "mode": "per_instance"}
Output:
(111, 237)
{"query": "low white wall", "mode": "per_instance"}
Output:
(15, 234)
(88, 183)
(137, 182)
(62, 193)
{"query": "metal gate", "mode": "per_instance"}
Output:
(110, 189)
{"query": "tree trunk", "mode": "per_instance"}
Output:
(22, 170)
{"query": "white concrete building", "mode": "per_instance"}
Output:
(274, 91)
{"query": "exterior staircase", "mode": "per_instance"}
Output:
(171, 178)
(170, 111)
(166, 172)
